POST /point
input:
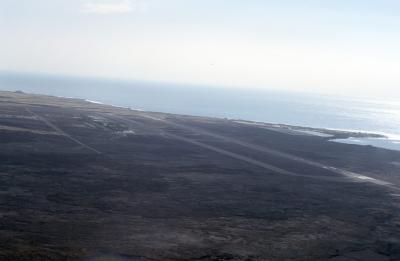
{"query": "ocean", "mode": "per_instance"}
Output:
(284, 107)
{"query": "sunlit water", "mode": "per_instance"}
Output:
(321, 111)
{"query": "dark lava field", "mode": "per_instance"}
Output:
(89, 182)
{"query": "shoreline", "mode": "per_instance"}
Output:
(347, 136)
(351, 133)
(127, 177)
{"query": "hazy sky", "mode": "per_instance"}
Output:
(325, 45)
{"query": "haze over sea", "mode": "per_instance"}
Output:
(301, 109)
